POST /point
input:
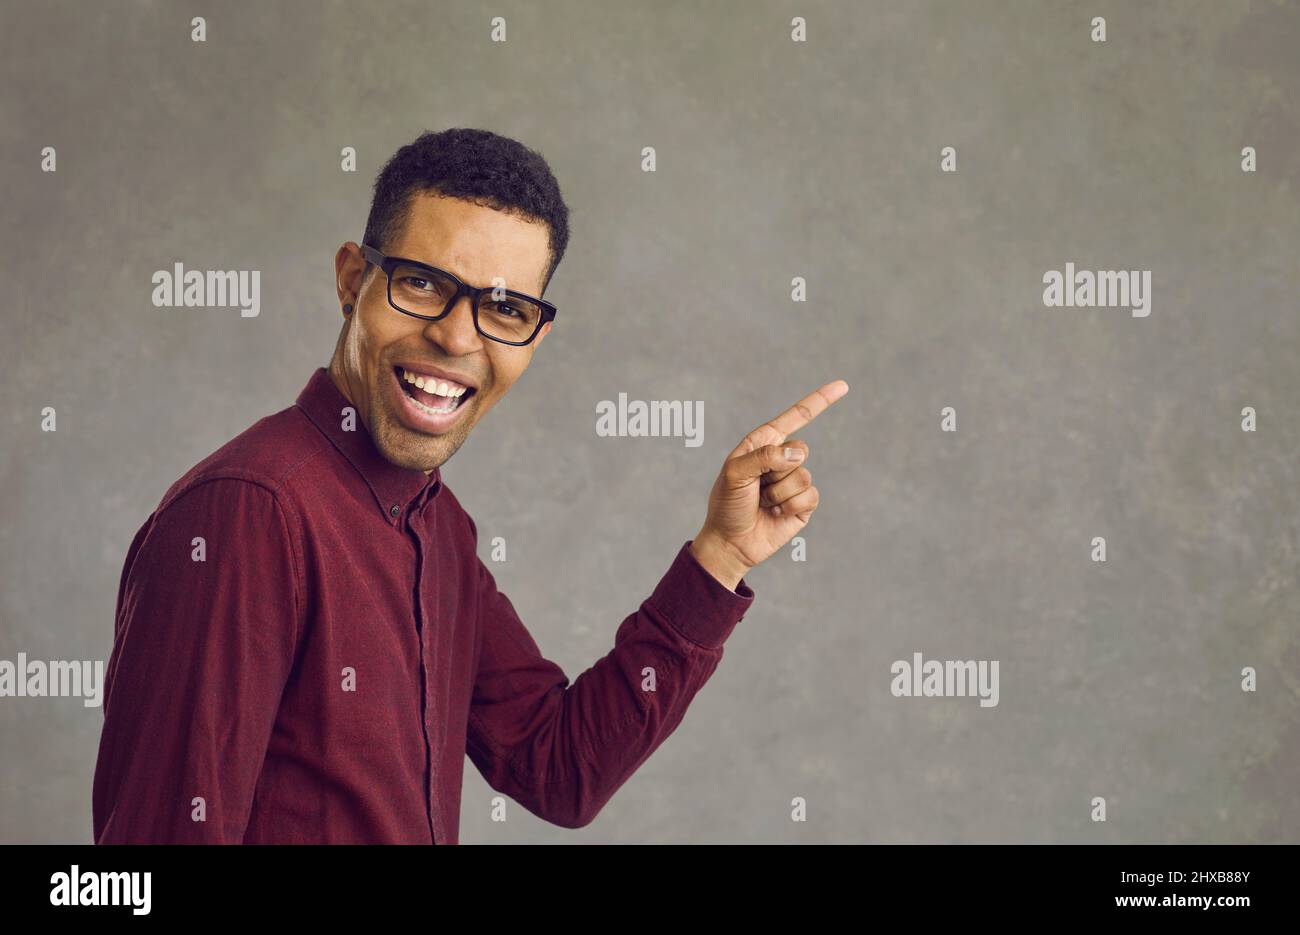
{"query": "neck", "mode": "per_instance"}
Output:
(340, 381)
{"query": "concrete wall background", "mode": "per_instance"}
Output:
(775, 159)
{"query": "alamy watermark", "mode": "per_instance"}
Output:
(213, 288)
(36, 678)
(77, 888)
(657, 417)
(950, 678)
(1124, 288)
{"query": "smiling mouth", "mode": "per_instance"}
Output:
(436, 397)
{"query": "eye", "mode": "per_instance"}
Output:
(416, 282)
(505, 308)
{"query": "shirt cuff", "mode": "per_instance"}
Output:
(698, 605)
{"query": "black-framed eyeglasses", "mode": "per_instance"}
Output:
(423, 291)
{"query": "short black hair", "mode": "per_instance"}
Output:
(477, 165)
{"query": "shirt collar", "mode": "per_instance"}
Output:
(392, 486)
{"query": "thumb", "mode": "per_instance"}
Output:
(741, 471)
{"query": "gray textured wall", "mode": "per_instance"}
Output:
(775, 159)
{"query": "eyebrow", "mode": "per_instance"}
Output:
(459, 276)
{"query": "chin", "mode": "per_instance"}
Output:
(411, 457)
(411, 463)
(413, 451)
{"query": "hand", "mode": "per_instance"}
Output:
(761, 498)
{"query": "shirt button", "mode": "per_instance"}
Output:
(394, 510)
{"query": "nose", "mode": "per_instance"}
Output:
(455, 331)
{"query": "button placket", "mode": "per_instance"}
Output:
(428, 642)
(420, 631)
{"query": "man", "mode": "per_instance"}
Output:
(307, 645)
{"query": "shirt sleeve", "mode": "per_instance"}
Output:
(562, 750)
(201, 654)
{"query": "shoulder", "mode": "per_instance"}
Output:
(266, 455)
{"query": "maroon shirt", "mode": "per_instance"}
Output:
(321, 674)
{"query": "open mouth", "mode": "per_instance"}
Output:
(434, 396)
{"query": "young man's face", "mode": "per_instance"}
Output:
(477, 244)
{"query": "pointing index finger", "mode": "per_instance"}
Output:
(807, 409)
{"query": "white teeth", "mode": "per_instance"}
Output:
(450, 391)
(434, 385)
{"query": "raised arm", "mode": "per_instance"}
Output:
(563, 750)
